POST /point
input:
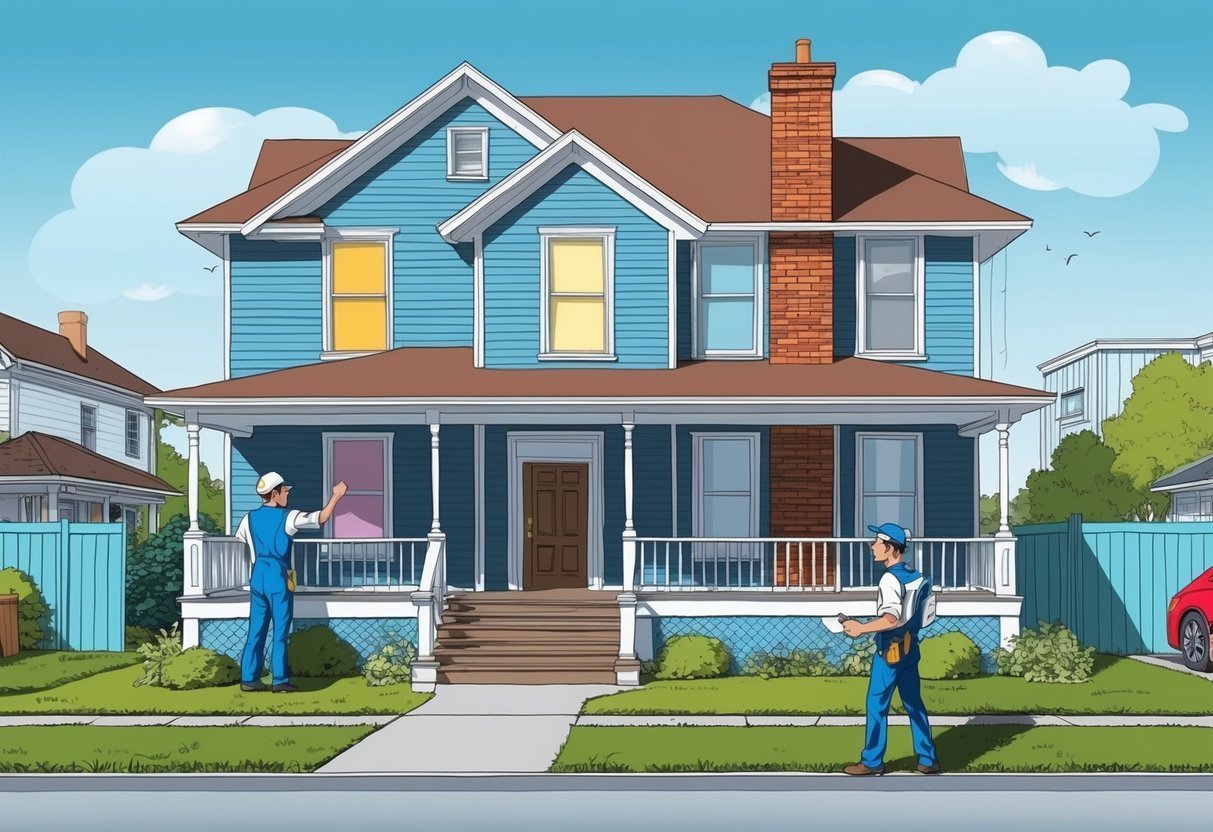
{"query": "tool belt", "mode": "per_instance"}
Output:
(898, 648)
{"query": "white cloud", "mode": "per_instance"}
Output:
(119, 239)
(1052, 127)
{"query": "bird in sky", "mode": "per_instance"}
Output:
(1047, 247)
(211, 269)
(1071, 257)
(1090, 233)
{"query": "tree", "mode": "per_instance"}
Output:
(173, 468)
(1167, 422)
(988, 511)
(1080, 481)
(153, 574)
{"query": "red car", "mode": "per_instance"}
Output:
(1188, 617)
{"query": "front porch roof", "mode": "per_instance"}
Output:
(40, 459)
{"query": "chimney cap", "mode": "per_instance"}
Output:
(71, 316)
(803, 46)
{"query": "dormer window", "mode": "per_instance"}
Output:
(467, 153)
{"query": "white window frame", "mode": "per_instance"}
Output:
(698, 327)
(861, 529)
(386, 439)
(387, 237)
(126, 433)
(483, 132)
(918, 352)
(1080, 414)
(85, 406)
(697, 513)
(607, 234)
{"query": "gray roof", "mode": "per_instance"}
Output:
(1199, 471)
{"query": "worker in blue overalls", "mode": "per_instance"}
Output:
(899, 607)
(267, 531)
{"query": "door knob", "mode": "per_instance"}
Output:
(528, 534)
(530, 521)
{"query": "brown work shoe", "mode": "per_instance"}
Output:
(933, 768)
(284, 687)
(860, 770)
(249, 688)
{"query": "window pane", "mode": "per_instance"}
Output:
(578, 325)
(358, 268)
(726, 516)
(1071, 403)
(726, 465)
(359, 463)
(728, 324)
(879, 510)
(889, 465)
(890, 324)
(576, 265)
(359, 515)
(359, 324)
(890, 266)
(468, 152)
(727, 269)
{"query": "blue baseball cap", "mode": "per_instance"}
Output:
(892, 533)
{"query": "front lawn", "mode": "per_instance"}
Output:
(992, 748)
(114, 693)
(42, 669)
(1118, 686)
(85, 748)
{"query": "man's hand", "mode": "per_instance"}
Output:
(339, 490)
(852, 628)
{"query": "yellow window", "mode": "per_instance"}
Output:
(577, 295)
(359, 314)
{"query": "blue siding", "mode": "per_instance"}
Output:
(511, 274)
(845, 302)
(277, 303)
(686, 303)
(950, 313)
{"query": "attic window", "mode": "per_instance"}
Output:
(467, 153)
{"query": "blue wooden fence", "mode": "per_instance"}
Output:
(81, 570)
(1109, 582)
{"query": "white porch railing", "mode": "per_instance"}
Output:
(389, 563)
(430, 601)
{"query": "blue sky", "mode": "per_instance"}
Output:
(79, 81)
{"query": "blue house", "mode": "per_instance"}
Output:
(601, 371)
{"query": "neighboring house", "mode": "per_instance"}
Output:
(59, 385)
(664, 357)
(1091, 382)
(1191, 489)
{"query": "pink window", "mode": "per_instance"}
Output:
(362, 464)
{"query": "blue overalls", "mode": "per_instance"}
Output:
(902, 676)
(269, 599)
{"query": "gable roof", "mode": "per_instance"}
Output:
(35, 454)
(27, 342)
(1195, 473)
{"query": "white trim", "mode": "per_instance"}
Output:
(138, 413)
(838, 483)
(8, 483)
(61, 380)
(1195, 485)
(858, 526)
(672, 299)
(227, 306)
(976, 486)
(478, 478)
(328, 437)
(1117, 344)
(1081, 415)
(754, 439)
(824, 604)
(673, 480)
(571, 148)
(607, 235)
(383, 236)
(976, 314)
(483, 132)
(878, 227)
(555, 446)
(478, 301)
(759, 244)
(227, 484)
(918, 352)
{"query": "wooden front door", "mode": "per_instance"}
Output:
(555, 505)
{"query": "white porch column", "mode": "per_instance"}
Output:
(436, 525)
(627, 666)
(1004, 479)
(191, 429)
(1004, 539)
(192, 564)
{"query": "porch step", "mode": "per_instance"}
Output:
(523, 676)
(453, 634)
(529, 653)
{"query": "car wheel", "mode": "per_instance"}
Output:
(1194, 641)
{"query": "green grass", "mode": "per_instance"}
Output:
(1118, 686)
(991, 748)
(43, 669)
(114, 693)
(76, 748)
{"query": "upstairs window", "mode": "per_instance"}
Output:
(88, 426)
(891, 298)
(577, 273)
(358, 292)
(1071, 404)
(728, 309)
(132, 433)
(467, 153)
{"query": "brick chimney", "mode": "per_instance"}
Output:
(802, 262)
(73, 325)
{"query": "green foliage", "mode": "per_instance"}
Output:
(1048, 653)
(164, 646)
(693, 657)
(32, 611)
(4, 436)
(949, 656)
(1166, 423)
(137, 637)
(858, 660)
(317, 651)
(199, 667)
(1081, 481)
(795, 663)
(391, 664)
(173, 468)
(989, 509)
(153, 575)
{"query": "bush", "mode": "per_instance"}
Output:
(137, 636)
(156, 653)
(949, 656)
(796, 663)
(391, 664)
(317, 651)
(31, 606)
(153, 575)
(858, 660)
(1049, 653)
(693, 657)
(199, 667)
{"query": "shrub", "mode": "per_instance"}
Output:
(949, 656)
(199, 667)
(1049, 653)
(317, 651)
(137, 636)
(153, 575)
(795, 663)
(31, 606)
(693, 657)
(391, 664)
(858, 660)
(163, 647)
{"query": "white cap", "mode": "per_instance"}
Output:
(269, 482)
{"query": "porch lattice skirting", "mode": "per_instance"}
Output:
(365, 635)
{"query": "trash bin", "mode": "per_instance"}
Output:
(8, 625)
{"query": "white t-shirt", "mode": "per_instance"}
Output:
(890, 593)
(295, 520)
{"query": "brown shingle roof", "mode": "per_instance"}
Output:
(36, 454)
(27, 342)
(442, 372)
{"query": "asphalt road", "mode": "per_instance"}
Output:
(990, 803)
